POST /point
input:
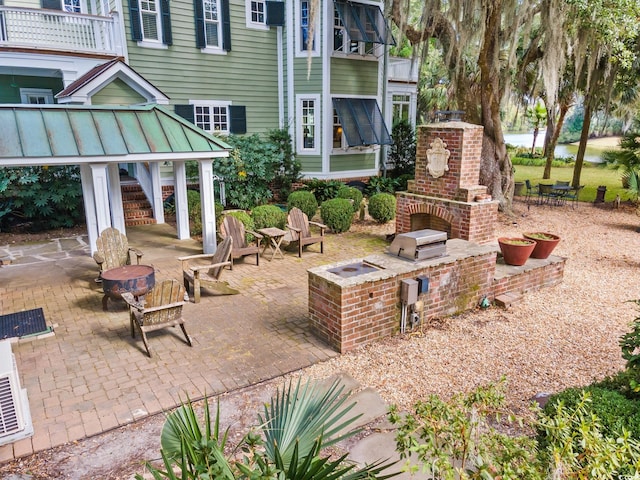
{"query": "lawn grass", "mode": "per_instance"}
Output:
(591, 178)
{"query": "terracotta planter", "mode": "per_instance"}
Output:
(545, 243)
(516, 251)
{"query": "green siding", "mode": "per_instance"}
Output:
(354, 77)
(23, 3)
(310, 163)
(10, 86)
(361, 161)
(304, 83)
(117, 93)
(247, 75)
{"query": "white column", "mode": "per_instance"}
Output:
(207, 204)
(101, 195)
(115, 198)
(180, 198)
(89, 205)
(156, 188)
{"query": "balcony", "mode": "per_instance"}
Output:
(403, 69)
(61, 31)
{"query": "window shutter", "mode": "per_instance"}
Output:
(167, 38)
(134, 15)
(226, 25)
(185, 111)
(238, 119)
(275, 13)
(52, 4)
(199, 18)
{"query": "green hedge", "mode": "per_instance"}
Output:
(382, 207)
(304, 200)
(266, 216)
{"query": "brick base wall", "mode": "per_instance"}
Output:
(354, 314)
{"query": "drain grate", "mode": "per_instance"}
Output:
(23, 324)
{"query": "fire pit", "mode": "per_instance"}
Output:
(136, 279)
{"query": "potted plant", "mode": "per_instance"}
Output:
(516, 251)
(545, 243)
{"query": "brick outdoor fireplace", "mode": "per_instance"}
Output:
(357, 301)
(446, 194)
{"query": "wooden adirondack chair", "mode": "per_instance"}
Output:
(113, 250)
(234, 228)
(162, 308)
(206, 275)
(299, 230)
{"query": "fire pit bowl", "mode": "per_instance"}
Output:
(136, 279)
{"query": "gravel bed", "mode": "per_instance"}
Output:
(558, 337)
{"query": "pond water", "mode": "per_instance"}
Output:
(526, 139)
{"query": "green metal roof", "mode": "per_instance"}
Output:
(73, 134)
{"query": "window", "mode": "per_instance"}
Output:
(72, 6)
(338, 136)
(342, 42)
(257, 11)
(211, 23)
(215, 116)
(303, 17)
(36, 96)
(308, 134)
(212, 117)
(364, 23)
(150, 19)
(150, 22)
(213, 31)
(401, 105)
(361, 121)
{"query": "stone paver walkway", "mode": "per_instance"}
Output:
(91, 376)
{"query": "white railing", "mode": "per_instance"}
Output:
(54, 30)
(403, 69)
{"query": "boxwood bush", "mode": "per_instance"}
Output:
(337, 214)
(351, 193)
(304, 200)
(266, 216)
(382, 207)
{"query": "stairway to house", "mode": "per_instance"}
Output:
(137, 209)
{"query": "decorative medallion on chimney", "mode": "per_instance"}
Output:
(437, 158)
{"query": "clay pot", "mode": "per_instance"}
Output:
(545, 243)
(516, 251)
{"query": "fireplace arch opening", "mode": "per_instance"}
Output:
(422, 221)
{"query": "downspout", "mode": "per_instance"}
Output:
(326, 48)
(281, 73)
(290, 82)
(385, 107)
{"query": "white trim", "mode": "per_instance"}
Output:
(152, 44)
(341, 174)
(213, 50)
(158, 16)
(327, 108)
(249, 22)
(47, 93)
(131, 158)
(299, 52)
(317, 108)
(120, 71)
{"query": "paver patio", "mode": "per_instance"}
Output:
(91, 376)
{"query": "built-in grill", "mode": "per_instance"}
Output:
(419, 245)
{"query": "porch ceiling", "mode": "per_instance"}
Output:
(75, 134)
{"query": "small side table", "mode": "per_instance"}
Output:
(274, 236)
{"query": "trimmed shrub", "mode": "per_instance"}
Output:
(337, 214)
(267, 216)
(304, 200)
(351, 193)
(382, 207)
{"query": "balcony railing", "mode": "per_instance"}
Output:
(403, 69)
(53, 30)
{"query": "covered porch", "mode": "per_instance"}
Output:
(99, 139)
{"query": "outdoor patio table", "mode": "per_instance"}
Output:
(559, 191)
(274, 239)
(135, 279)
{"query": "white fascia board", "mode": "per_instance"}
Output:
(142, 157)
